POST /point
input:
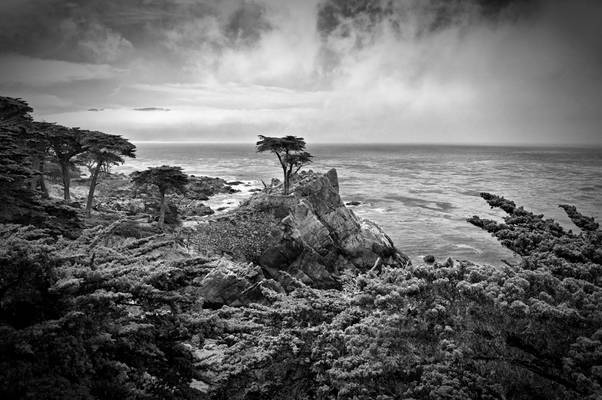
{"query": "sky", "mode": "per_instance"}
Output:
(366, 71)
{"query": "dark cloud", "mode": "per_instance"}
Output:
(434, 14)
(360, 23)
(401, 70)
(494, 9)
(118, 31)
(59, 30)
(247, 24)
(333, 13)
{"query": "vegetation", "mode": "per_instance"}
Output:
(167, 179)
(65, 145)
(291, 154)
(15, 164)
(73, 326)
(21, 198)
(119, 311)
(28, 146)
(91, 319)
(103, 150)
(39, 147)
(54, 173)
(451, 330)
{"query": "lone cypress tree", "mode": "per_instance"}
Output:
(290, 151)
(166, 178)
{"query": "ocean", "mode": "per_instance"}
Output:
(420, 195)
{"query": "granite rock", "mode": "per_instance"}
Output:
(310, 234)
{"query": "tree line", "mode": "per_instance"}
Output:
(28, 145)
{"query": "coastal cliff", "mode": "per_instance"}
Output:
(309, 234)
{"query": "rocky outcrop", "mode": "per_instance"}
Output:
(203, 187)
(117, 194)
(309, 234)
(234, 284)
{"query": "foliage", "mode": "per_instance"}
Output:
(120, 314)
(167, 179)
(38, 146)
(15, 162)
(290, 151)
(89, 161)
(245, 237)
(543, 243)
(64, 145)
(556, 289)
(20, 146)
(102, 150)
(130, 229)
(78, 320)
(441, 331)
(14, 113)
(54, 172)
(106, 149)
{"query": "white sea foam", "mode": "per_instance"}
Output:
(468, 247)
(224, 202)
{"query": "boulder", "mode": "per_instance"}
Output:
(234, 284)
(202, 187)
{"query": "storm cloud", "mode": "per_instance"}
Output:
(414, 71)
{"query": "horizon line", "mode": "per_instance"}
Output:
(473, 144)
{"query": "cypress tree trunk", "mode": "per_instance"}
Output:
(162, 210)
(43, 181)
(35, 165)
(66, 182)
(289, 173)
(93, 180)
(285, 183)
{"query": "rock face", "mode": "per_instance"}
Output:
(234, 284)
(309, 234)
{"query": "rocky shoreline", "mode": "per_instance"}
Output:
(118, 197)
(309, 235)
